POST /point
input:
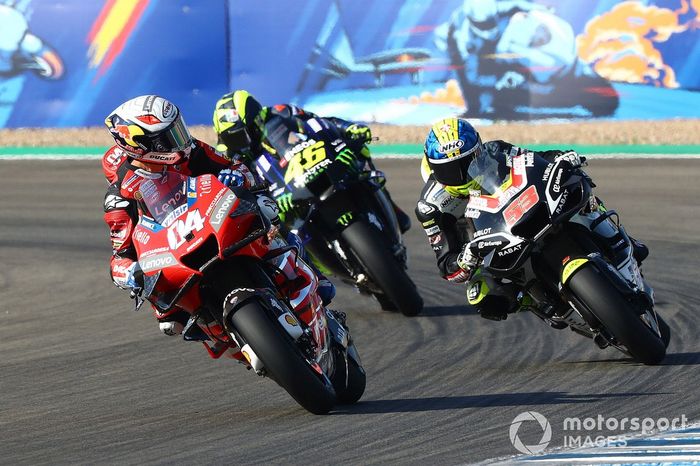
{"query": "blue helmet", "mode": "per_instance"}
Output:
(449, 148)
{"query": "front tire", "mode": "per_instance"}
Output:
(282, 359)
(349, 379)
(382, 267)
(665, 330)
(605, 302)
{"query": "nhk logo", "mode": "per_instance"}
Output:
(451, 146)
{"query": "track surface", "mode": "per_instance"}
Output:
(85, 380)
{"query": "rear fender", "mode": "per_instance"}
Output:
(240, 296)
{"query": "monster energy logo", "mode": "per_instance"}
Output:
(345, 219)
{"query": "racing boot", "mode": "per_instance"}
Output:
(174, 324)
(492, 300)
(526, 303)
(639, 250)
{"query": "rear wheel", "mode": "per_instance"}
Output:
(282, 359)
(606, 303)
(382, 267)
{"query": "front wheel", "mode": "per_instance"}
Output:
(605, 302)
(382, 267)
(282, 359)
(349, 378)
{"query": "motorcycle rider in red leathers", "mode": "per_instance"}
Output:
(150, 138)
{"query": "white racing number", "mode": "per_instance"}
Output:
(181, 228)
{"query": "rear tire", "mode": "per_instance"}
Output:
(601, 297)
(367, 246)
(282, 359)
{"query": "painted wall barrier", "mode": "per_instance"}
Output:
(69, 62)
(86, 57)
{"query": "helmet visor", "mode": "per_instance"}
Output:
(168, 147)
(175, 138)
(236, 138)
(454, 171)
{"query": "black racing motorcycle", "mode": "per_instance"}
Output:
(539, 226)
(338, 208)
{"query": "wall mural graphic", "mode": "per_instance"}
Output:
(502, 59)
(22, 51)
(69, 63)
(102, 53)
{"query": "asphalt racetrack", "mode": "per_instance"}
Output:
(83, 379)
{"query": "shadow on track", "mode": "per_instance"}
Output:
(410, 405)
(455, 310)
(672, 359)
(682, 359)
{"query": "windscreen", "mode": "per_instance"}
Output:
(489, 172)
(164, 197)
(286, 136)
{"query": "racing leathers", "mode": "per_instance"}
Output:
(120, 206)
(122, 212)
(356, 136)
(442, 216)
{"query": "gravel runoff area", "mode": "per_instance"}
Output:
(665, 132)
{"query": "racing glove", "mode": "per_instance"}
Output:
(573, 158)
(347, 157)
(359, 133)
(466, 263)
(238, 175)
(231, 178)
(466, 260)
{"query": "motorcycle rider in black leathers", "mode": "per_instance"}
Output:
(451, 145)
(239, 120)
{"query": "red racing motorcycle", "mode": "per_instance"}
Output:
(208, 250)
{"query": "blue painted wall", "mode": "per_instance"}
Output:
(176, 48)
(362, 59)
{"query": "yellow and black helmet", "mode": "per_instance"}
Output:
(238, 122)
